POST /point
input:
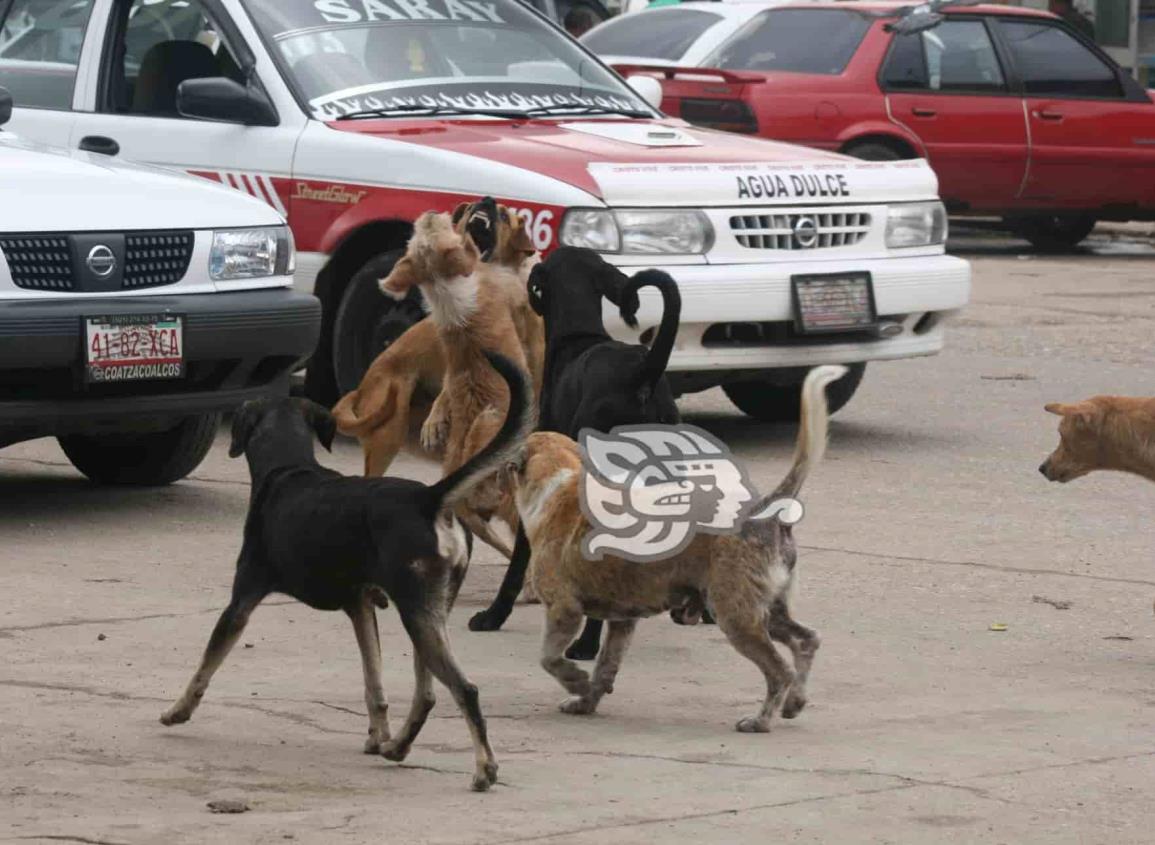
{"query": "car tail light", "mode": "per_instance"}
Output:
(727, 115)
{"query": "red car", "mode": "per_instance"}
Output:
(1020, 115)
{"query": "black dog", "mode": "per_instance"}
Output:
(343, 543)
(591, 380)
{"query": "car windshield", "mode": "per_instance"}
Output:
(660, 34)
(367, 57)
(798, 40)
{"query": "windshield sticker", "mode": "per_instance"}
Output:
(374, 11)
(490, 98)
(793, 186)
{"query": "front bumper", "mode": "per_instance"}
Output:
(237, 346)
(740, 317)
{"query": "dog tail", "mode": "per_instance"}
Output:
(349, 420)
(519, 422)
(811, 443)
(659, 355)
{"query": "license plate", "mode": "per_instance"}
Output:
(133, 347)
(834, 302)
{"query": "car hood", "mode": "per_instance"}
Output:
(664, 162)
(46, 189)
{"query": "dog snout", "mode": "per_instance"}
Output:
(1043, 470)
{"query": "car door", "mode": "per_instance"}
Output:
(41, 64)
(1092, 128)
(150, 48)
(948, 86)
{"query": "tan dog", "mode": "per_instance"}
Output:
(744, 578)
(469, 304)
(404, 378)
(1103, 432)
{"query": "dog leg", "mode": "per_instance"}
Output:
(225, 634)
(364, 619)
(382, 445)
(431, 640)
(586, 646)
(481, 530)
(610, 660)
(803, 643)
(561, 626)
(493, 617)
(751, 638)
(397, 749)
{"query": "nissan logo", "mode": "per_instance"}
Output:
(101, 261)
(805, 232)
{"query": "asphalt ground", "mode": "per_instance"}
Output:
(987, 671)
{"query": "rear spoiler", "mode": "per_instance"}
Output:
(695, 74)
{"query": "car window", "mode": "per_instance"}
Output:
(40, 44)
(1053, 63)
(495, 55)
(162, 43)
(661, 34)
(800, 40)
(954, 56)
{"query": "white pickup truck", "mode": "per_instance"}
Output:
(354, 116)
(135, 306)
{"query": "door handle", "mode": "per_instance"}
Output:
(99, 144)
(1043, 114)
(923, 111)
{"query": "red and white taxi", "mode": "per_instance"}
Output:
(354, 116)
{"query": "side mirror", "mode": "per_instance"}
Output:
(648, 88)
(220, 98)
(5, 105)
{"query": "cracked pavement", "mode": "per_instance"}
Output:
(927, 524)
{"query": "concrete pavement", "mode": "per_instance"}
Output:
(927, 524)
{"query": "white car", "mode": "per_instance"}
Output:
(355, 116)
(671, 36)
(135, 306)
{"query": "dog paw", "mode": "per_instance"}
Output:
(175, 716)
(578, 705)
(394, 751)
(376, 744)
(793, 706)
(582, 651)
(491, 771)
(753, 725)
(481, 782)
(486, 620)
(434, 433)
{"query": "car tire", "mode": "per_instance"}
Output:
(1053, 232)
(147, 460)
(766, 401)
(368, 321)
(874, 151)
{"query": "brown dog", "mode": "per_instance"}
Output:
(1103, 432)
(744, 578)
(469, 304)
(405, 377)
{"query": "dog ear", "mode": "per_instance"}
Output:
(244, 421)
(535, 288)
(615, 286)
(401, 278)
(323, 423)
(1054, 408)
(520, 240)
(1082, 413)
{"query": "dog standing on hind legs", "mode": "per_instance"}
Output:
(745, 578)
(342, 543)
(591, 380)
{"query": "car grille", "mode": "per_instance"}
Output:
(820, 230)
(44, 262)
(152, 259)
(39, 262)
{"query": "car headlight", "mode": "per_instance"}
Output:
(251, 253)
(638, 231)
(915, 224)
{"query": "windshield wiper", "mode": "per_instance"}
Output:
(547, 111)
(408, 110)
